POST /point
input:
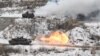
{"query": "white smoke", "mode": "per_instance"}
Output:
(68, 7)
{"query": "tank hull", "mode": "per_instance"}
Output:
(20, 42)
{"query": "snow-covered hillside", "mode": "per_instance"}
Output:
(78, 36)
(87, 35)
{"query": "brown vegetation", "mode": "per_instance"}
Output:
(69, 24)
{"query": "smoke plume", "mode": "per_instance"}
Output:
(68, 8)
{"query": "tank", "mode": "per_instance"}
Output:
(28, 15)
(81, 17)
(20, 41)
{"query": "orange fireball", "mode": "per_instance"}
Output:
(56, 37)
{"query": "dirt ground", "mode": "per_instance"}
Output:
(5, 22)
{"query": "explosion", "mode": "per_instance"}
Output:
(56, 37)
